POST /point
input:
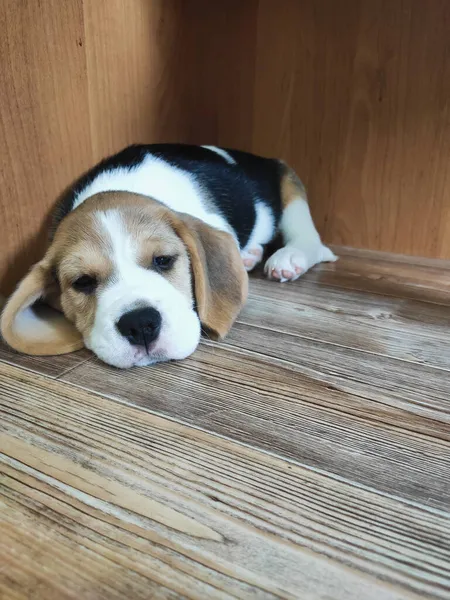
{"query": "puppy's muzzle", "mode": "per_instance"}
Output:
(140, 327)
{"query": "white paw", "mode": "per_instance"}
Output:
(288, 263)
(252, 256)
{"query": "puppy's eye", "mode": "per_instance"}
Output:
(85, 284)
(164, 263)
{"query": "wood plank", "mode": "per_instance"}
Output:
(355, 94)
(88, 485)
(217, 70)
(70, 569)
(356, 415)
(438, 264)
(336, 94)
(132, 58)
(50, 366)
(326, 396)
(44, 122)
(387, 274)
(396, 327)
(78, 81)
(417, 389)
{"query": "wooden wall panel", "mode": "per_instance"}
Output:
(78, 80)
(131, 55)
(217, 53)
(354, 94)
(44, 122)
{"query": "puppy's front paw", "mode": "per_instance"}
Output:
(252, 256)
(288, 263)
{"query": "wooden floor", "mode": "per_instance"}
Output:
(307, 456)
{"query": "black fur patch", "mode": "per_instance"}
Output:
(232, 188)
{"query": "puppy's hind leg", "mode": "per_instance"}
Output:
(303, 247)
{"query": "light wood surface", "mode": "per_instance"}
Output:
(45, 136)
(131, 55)
(354, 94)
(307, 456)
(78, 80)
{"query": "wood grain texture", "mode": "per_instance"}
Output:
(322, 374)
(327, 369)
(52, 367)
(217, 48)
(326, 414)
(355, 95)
(78, 81)
(382, 273)
(44, 122)
(103, 500)
(396, 327)
(367, 120)
(131, 55)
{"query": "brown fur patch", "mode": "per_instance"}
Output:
(57, 336)
(291, 186)
(85, 253)
(220, 280)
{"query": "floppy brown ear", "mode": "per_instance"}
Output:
(220, 280)
(38, 330)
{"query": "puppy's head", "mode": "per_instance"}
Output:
(129, 279)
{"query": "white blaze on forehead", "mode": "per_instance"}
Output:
(123, 249)
(129, 282)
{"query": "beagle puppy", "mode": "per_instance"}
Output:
(152, 245)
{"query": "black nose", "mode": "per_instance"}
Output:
(141, 326)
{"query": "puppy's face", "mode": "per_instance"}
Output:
(125, 283)
(134, 282)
